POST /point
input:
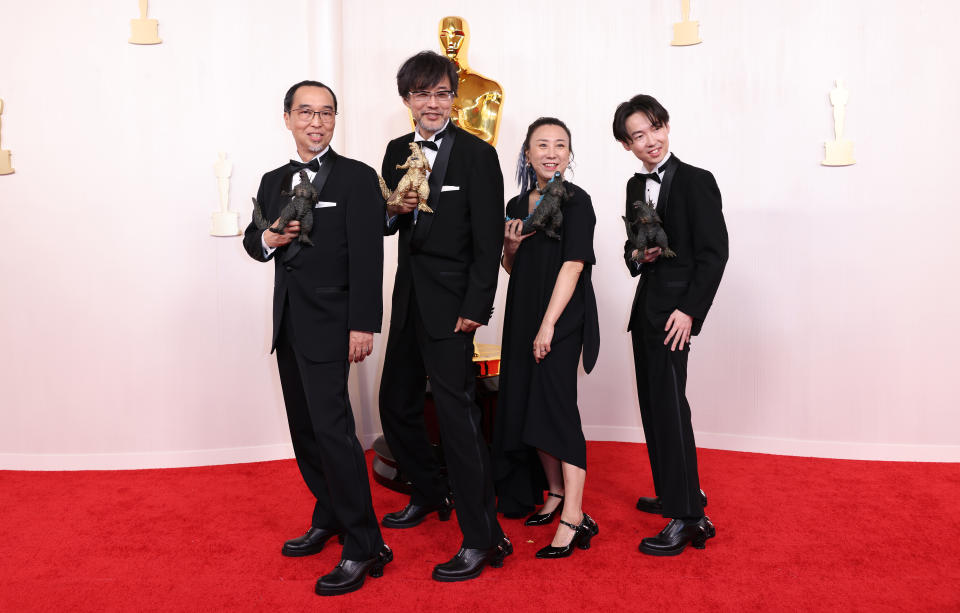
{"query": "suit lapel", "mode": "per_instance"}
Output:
(425, 220)
(668, 173)
(318, 182)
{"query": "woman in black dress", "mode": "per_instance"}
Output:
(550, 316)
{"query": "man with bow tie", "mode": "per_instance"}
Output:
(670, 305)
(327, 305)
(447, 270)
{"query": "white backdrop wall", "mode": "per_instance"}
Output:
(131, 338)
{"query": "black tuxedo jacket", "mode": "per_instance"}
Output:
(450, 258)
(689, 205)
(336, 285)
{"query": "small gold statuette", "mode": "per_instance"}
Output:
(6, 168)
(839, 152)
(225, 221)
(686, 32)
(476, 109)
(415, 180)
(144, 31)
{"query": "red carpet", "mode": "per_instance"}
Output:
(792, 534)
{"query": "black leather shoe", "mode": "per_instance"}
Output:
(413, 514)
(653, 505)
(348, 575)
(310, 543)
(542, 519)
(581, 538)
(469, 563)
(673, 539)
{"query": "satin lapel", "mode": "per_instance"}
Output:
(662, 199)
(425, 220)
(318, 182)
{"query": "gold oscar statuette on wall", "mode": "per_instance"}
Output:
(476, 108)
(840, 151)
(225, 221)
(6, 168)
(144, 31)
(686, 32)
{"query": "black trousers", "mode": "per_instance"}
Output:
(326, 447)
(665, 413)
(412, 356)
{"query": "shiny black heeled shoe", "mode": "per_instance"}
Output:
(581, 539)
(542, 519)
(348, 575)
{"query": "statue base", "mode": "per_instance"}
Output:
(839, 153)
(225, 224)
(686, 33)
(144, 32)
(5, 167)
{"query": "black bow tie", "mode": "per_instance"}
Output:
(428, 144)
(313, 165)
(648, 175)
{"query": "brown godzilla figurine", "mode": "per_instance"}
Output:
(646, 230)
(299, 208)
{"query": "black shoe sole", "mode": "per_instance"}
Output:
(710, 533)
(376, 571)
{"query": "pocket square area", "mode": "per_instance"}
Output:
(450, 188)
(323, 205)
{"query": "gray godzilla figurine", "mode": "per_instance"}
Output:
(649, 231)
(547, 214)
(300, 208)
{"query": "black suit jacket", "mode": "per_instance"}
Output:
(450, 258)
(689, 205)
(337, 284)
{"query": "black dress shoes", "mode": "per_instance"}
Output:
(542, 519)
(581, 538)
(653, 505)
(310, 543)
(413, 514)
(348, 575)
(469, 563)
(673, 539)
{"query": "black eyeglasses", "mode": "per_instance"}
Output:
(307, 115)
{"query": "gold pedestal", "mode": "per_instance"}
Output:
(686, 33)
(6, 168)
(225, 224)
(839, 153)
(144, 32)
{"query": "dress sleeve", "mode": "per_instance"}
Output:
(579, 221)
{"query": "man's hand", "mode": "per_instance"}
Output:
(361, 345)
(466, 325)
(678, 328)
(649, 255)
(541, 344)
(410, 201)
(290, 232)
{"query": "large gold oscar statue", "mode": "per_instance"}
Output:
(476, 108)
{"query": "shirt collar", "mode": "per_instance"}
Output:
(417, 137)
(296, 155)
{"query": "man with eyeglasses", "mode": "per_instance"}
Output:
(446, 279)
(327, 305)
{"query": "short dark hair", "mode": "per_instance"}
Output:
(642, 103)
(288, 98)
(425, 70)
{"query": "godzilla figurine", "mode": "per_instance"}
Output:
(415, 180)
(648, 231)
(300, 208)
(547, 214)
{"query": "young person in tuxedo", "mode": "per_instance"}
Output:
(327, 304)
(670, 305)
(446, 278)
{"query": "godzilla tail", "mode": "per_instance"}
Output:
(258, 218)
(383, 188)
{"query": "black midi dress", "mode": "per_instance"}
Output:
(537, 403)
